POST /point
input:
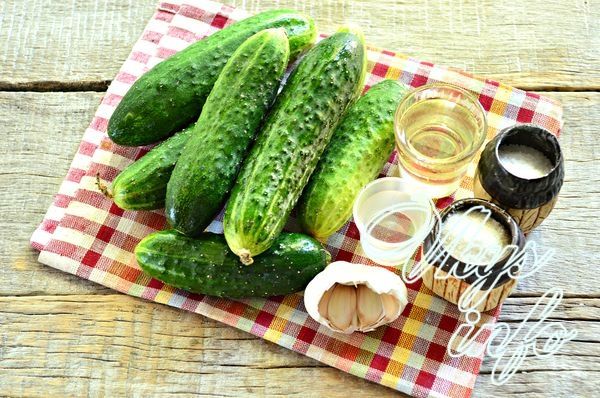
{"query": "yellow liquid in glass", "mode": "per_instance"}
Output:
(437, 134)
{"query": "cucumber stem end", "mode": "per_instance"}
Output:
(245, 257)
(102, 187)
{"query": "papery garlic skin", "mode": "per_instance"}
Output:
(377, 298)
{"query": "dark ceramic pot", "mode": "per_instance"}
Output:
(529, 201)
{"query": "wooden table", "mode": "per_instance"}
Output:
(64, 336)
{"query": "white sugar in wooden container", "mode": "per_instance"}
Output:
(472, 237)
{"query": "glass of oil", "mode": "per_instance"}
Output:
(439, 129)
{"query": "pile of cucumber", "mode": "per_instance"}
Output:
(234, 139)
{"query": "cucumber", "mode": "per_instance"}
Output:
(143, 184)
(206, 265)
(170, 96)
(210, 161)
(295, 134)
(360, 146)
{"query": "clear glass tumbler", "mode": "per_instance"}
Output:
(439, 129)
(393, 220)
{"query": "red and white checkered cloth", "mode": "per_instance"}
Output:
(85, 234)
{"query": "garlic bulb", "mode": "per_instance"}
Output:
(347, 297)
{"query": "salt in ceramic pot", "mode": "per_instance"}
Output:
(528, 197)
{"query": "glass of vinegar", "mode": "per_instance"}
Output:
(393, 220)
(439, 129)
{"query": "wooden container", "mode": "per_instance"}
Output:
(528, 195)
(451, 288)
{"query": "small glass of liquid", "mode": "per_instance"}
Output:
(439, 129)
(393, 220)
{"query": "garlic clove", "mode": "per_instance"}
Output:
(369, 308)
(324, 302)
(391, 307)
(320, 297)
(341, 307)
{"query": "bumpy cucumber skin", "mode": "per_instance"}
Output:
(291, 142)
(143, 184)
(210, 161)
(206, 265)
(359, 148)
(170, 96)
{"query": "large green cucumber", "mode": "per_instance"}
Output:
(295, 134)
(206, 265)
(359, 148)
(170, 96)
(210, 161)
(143, 184)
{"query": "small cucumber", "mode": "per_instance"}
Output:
(206, 265)
(170, 96)
(210, 161)
(143, 184)
(295, 134)
(359, 148)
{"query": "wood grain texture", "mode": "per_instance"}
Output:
(127, 346)
(63, 336)
(82, 43)
(452, 289)
(571, 229)
(42, 133)
(35, 167)
(47, 45)
(96, 343)
(527, 219)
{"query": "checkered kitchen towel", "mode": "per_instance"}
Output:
(85, 234)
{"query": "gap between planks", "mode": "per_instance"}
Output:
(46, 86)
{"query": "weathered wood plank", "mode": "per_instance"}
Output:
(82, 343)
(42, 133)
(571, 229)
(79, 42)
(536, 44)
(127, 346)
(544, 383)
(43, 130)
